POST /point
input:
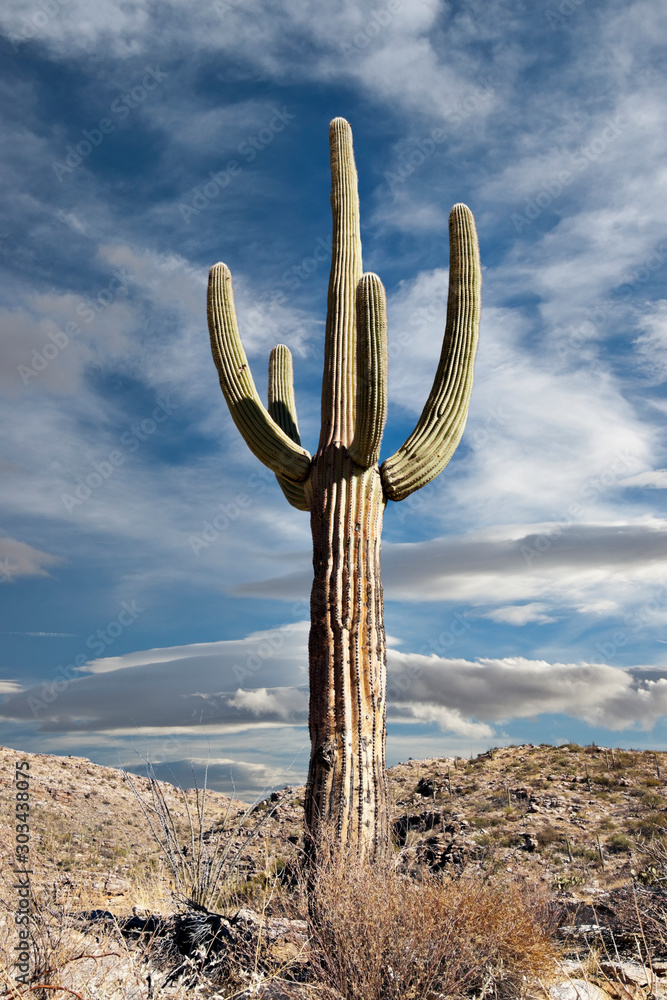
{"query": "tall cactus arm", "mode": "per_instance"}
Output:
(264, 437)
(371, 393)
(282, 409)
(433, 442)
(339, 345)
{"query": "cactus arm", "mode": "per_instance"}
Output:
(338, 384)
(282, 409)
(282, 406)
(371, 392)
(433, 442)
(264, 437)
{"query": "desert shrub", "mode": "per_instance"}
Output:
(652, 800)
(606, 824)
(205, 870)
(549, 835)
(619, 843)
(379, 935)
(652, 824)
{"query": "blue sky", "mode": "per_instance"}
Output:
(153, 579)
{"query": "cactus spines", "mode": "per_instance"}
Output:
(346, 491)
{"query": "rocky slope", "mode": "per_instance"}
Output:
(557, 814)
(574, 820)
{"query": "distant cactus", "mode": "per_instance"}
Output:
(346, 491)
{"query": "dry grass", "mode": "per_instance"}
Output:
(69, 958)
(380, 935)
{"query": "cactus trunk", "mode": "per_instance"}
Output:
(346, 492)
(347, 792)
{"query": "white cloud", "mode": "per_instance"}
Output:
(569, 563)
(386, 49)
(655, 479)
(520, 614)
(176, 687)
(18, 559)
(281, 703)
(652, 344)
(495, 691)
(9, 687)
(182, 689)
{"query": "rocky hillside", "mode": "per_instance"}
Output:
(566, 815)
(574, 821)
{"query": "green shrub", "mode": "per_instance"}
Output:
(619, 843)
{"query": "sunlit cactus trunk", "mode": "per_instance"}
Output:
(346, 782)
(346, 491)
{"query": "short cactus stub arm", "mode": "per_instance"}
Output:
(371, 394)
(282, 409)
(264, 437)
(433, 441)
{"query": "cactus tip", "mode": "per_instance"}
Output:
(220, 268)
(340, 128)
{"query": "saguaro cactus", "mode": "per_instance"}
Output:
(346, 490)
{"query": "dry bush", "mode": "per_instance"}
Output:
(379, 935)
(68, 955)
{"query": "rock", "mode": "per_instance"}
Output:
(577, 989)
(417, 821)
(426, 787)
(625, 972)
(115, 886)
